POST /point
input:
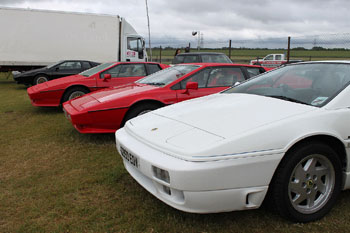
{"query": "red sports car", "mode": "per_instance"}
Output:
(55, 92)
(107, 110)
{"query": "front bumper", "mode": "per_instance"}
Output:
(94, 121)
(42, 98)
(200, 187)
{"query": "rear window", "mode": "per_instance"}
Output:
(186, 59)
(215, 58)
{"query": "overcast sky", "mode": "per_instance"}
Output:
(172, 21)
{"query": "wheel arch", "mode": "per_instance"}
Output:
(140, 102)
(335, 143)
(72, 87)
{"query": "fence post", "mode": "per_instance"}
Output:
(229, 50)
(288, 51)
(160, 54)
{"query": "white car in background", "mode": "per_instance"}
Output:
(284, 135)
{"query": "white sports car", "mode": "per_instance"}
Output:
(283, 135)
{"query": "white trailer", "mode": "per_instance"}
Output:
(34, 38)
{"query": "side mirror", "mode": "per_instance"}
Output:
(57, 68)
(236, 84)
(106, 77)
(191, 86)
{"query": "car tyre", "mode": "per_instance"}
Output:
(307, 182)
(73, 93)
(40, 79)
(140, 109)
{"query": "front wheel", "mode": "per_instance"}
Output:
(307, 182)
(74, 93)
(40, 79)
(139, 110)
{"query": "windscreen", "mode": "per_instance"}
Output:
(164, 77)
(96, 69)
(312, 84)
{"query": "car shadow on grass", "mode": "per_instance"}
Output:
(48, 110)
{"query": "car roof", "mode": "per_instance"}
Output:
(217, 64)
(200, 53)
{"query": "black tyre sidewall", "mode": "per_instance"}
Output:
(135, 111)
(283, 173)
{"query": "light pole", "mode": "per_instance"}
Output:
(149, 33)
(194, 33)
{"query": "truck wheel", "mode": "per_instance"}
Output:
(40, 79)
(307, 182)
(73, 93)
(139, 110)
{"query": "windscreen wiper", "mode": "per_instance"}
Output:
(282, 97)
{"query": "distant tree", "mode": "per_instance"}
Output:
(318, 48)
(299, 48)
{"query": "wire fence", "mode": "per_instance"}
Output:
(317, 47)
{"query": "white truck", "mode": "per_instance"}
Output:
(36, 38)
(272, 60)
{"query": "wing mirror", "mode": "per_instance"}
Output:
(236, 84)
(191, 86)
(106, 77)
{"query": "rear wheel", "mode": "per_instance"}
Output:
(307, 182)
(73, 93)
(40, 79)
(139, 110)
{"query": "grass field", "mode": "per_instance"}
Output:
(53, 179)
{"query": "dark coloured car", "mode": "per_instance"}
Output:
(53, 71)
(201, 57)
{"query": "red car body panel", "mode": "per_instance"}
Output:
(51, 93)
(104, 111)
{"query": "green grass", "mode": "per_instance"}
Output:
(53, 179)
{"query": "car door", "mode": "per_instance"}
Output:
(65, 69)
(210, 80)
(122, 74)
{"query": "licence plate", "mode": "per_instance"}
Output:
(132, 159)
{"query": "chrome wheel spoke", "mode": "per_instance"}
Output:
(310, 165)
(300, 197)
(299, 173)
(296, 187)
(321, 171)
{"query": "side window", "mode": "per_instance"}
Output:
(225, 76)
(132, 70)
(152, 68)
(191, 59)
(86, 65)
(200, 77)
(70, 65)
(206, 58)
(178, 59)
(270, 57)
(114, 71)
(133, 44)
(278, 57)
(252, 71)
